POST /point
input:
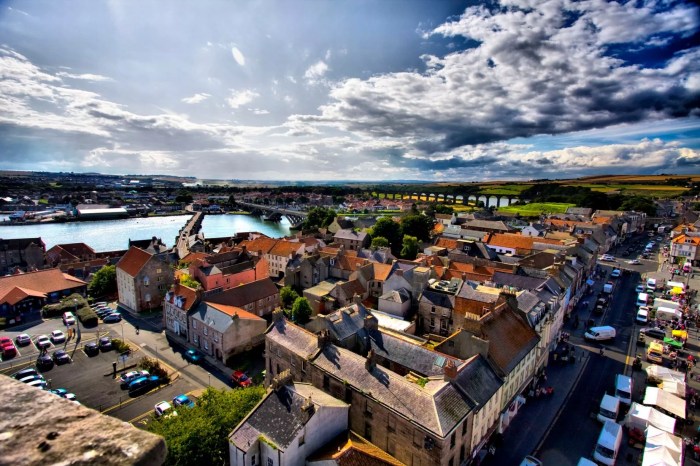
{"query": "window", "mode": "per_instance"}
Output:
(443, 324)
(326, 382)
(159, 270)
(216, 338)
(252, 460)
(451, 462)
(145, 281)
(432, 322)
(368, 431)
(270, 462)
(348, 394)
(206, 331)
(464, 428)
(196, 338)
(194, 324)
(391, 424)
(291, 359)
(453, 437)
(301, 440)
(206, 345)
(432, 310)
(368, 410)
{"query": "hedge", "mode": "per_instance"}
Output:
(66, 304)
(87, 316)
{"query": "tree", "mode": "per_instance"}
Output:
(410, 247)
(380, 242)
(443, 209)
(319, 217)
(104, 281)
(288, 296)
(301, 311)
(189, 281)
(419, 226)
(183, 196)
(389, 229)
(199, 435)
(639, 204)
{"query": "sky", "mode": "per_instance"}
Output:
(310, 90)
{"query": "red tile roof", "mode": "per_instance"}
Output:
(263, 244)
(134, 260)
(186, 292)
(39, 283)
(285, 248)
(231, 310)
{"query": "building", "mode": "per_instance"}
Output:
(221, 331)
(259, 297)
(228, 269)
(178, 303)
(351, 240)
(684, 248)
(31, 291)
(143, 279)
(290, 423)
(69, 253)
(25, 254)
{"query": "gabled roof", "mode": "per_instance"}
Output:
(285, 248)
(78, 249)
(478, 381)
(39, 283)
(248, 293)
(220, 317)
(133, 261)
(345, 233)
(17, 294)
(410, 354)
(352, 450)
(292, 337)
(437, 407)
(438, 299)
(188, 295)
(279, 416)
(495, 225)
(262, 243)
(397, 296)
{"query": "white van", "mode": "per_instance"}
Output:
(623, 388)
(642, 315)
(600, 333)
(651, 284)
(608, 445)
(642, 299)
(609, 408)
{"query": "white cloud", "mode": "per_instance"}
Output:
(240, 98)
(196, 98)
(84, 76)
(315, 72)
(259, 111)
(238, 56)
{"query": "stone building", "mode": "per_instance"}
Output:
(143, 279)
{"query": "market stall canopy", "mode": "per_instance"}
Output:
(666, 401)
(662, 449)
(641, 417)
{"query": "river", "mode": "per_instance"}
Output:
(112, 235)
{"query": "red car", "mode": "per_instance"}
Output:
(240, 379)
(8, 348)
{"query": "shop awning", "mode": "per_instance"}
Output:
(590, 282)
(641, 417)
(666, 401)
(662, 449)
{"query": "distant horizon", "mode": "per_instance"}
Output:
(378, 91)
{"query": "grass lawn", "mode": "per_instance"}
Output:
(536, 208)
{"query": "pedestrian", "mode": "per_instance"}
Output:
(137, 330)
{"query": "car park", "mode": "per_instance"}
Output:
(61, 357)
(105, 343)
(164, 409)
(42, 342)
(91, 349)
(193, 356)
(25, 373)
(68, 318)
(183, 400)
(44, 362)
(240, 379)
(58, 336)
(654, 332)
(23, 339)
(112, 318)
(127, 378)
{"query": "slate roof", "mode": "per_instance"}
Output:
(346, 322)
(437, 407)
(521, 282)
(351, 287)
(219, 316)
(396, 296)
(279, 417)
(243, 295)
(469, 291)
(409, 354)
(495, 225)
(292, 337)
(39, 283)
(510, 336)
(20, 243)
(133, 261)
(346, 233)
(438, 299)
(478, 380)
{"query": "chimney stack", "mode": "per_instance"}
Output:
(323, 338)
(450, 370)
(280, 380)
(370, 362)
(307, 410)
(277, 315)
(357, 298)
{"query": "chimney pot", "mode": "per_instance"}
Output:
(450, 370)
(370, 362)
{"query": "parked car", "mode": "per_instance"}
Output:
(99, 303)
(7, 347)
(607, 258)
(25, 373)
(57, 337)
(42, 341)
(41, 384)
(193, 356)
(68, 318)
(105, 343)
(640, 288)
(653, 332)
(615, 273)
(44, 362)
(59, 391)
(112, 318)
(127, 378)
(23, 339)
(143, 384)
(183, 400)
(164, 409)
(31, 378)
(61, 357)
(91, 349)
(240, 379)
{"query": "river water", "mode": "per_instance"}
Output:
(112, 235)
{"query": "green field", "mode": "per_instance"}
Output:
(653, 190)
(504, 190)
(536, 208)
